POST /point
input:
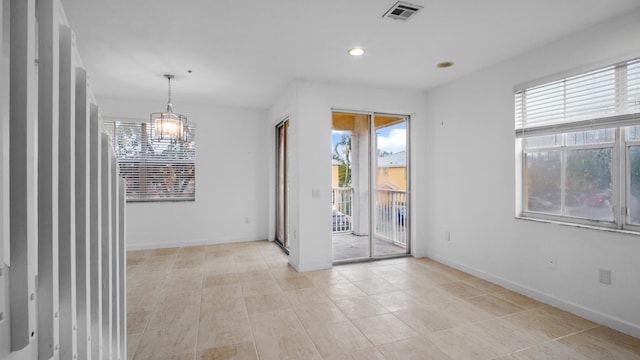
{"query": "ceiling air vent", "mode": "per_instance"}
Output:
(402, 11)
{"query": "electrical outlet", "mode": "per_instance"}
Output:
(247, 220)
(605, 276)
(315, 193)
(447, 236)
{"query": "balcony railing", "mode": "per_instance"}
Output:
(341, 199)
(390, 214)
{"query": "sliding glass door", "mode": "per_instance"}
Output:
(370, 182)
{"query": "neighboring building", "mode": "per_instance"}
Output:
(392, 171)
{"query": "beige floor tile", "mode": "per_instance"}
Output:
(141, 303)
(430, 294)
(568, 319)
(266, 303)
(375, 286)
(171, 344)
(361, 307)
(595, 348)
(304, 297)
(551, 350)
(426, 320)
(486, 286)
(225, 301)
(451, 342)
(221, 293)
(220, 331)
(244, 351)
(518, 299)
(616, 338)
(462, 290)
(352, 273)
(343, 291)
(223, 308)
(133, 340)
(397, 301)
(504, 336)
(494, 305)
(186, 355)
(176, 317)
(254, 276)
(257, 288)
(288, 345)
(319, 313)
(275, 322)
(165, 251)
(137, 321)
(364, 354)
(182, 263)
(417, 348)
(337, 339)
(462, 312)
(185, 296)
(382, 329)
(294, 283)
(223, 279)
(539, 323)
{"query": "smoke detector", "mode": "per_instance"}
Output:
(402, 11)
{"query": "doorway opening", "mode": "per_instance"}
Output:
(369, 187)
(282, 185)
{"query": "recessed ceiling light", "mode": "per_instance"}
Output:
(356, 51)
(445, 64)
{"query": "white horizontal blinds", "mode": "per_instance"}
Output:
(153, 170)
(601, 98)
(633, 86)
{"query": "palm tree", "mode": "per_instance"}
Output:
(342, 153)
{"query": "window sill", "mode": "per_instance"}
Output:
(576, 225)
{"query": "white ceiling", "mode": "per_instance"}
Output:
(245, 52)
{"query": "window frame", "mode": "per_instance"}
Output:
(620, 121)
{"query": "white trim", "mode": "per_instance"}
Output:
(585, 312)
(195, 242)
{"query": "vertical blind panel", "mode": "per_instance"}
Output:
(153, 170)
(609, 91)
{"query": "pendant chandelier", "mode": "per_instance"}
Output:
(169, 125)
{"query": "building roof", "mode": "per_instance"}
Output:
(398, 159)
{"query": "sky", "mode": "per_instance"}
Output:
(391, 139)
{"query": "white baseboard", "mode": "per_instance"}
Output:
(577, 309)
(197, 242)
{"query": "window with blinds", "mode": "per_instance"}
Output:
(577, 138)
(154, 170)
(602, 98)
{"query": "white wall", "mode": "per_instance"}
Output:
(308, 105)
(231, 179)
(471, 191)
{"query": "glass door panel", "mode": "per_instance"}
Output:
(390, 210)
(282, 185)
(350, 186)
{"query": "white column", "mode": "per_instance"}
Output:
(95, 230)
(66, 201)
(23, 174)
(4, 174)
(115, 316)
(106, 246)
(83, 289)
(122, 276)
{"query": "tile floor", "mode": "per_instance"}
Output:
(242, 301)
